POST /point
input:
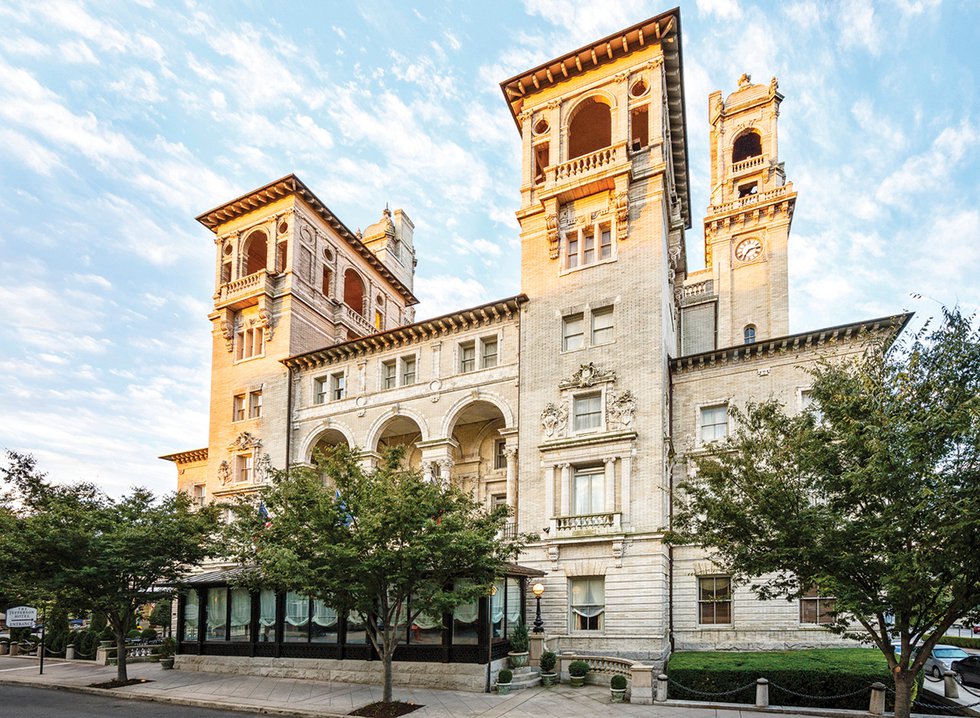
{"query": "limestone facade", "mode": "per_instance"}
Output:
(578, 402)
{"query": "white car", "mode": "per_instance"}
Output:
(940, 660)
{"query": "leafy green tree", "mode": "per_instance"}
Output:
(386, 544)
(160, 616)
(874, 498)
(95, 553)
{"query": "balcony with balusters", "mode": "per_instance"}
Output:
(586, 174)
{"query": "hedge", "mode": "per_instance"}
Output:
(961, 642)
(814, 672)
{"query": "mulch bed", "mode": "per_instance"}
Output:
(386, 710)
(123, 684)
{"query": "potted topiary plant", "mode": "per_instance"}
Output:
(547, 665)
(617, 688)
(167, 649)
(576, 673)
(519, 642)
(503, 681)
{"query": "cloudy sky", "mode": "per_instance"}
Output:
(119, 122)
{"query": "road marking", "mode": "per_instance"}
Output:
(24, 668)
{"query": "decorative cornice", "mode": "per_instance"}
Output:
(794, 342)
(483, 315)
(292, 185)
(187, 457)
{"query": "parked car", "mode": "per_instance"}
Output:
(976, 628)
(969, 670)
(940, 660)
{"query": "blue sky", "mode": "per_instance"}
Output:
(119, 122)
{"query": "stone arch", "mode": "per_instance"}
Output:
(451, 416)
(378, 426)
(589, 125)
(355, 290)
(747, 144)
(255, 252)
(332, 429)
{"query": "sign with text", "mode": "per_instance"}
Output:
(21, 617)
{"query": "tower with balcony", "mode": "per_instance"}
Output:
(604, 204)
(290, 277)
(742, 294)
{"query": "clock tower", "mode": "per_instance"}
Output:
(742, 294)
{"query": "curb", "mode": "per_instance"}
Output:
(173, 700)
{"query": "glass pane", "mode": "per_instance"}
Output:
(465, 619)
(217, 614)
(707, 613)
(723, 612)
(297, 625)
(808, 611)
(267, 615)
(356, 632)
(323, 628)
(190, 616)
(427, 629)
(497, 629)
(513, 604)
(241, 614)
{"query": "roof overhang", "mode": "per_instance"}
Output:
(664, 29)
(186, 457)
(292, 185)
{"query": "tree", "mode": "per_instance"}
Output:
(161, 615)
(874, 498)
(94, 553)
(386, 544)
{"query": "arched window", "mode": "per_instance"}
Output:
(255, 251)
(746, 146)
(749, 333)
(590, 128)
(354, 291)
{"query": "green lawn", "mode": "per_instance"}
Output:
(856, 660)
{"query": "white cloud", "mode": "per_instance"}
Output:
(722, 9)
(77, 52)
(862, 29)
(929, 170)
(33, 154)
(95, 279)
(447, 293)
(584, 20)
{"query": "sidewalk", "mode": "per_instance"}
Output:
(286, 696)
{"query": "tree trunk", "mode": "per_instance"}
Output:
(903, 693)
(121, 656)
(386, 697)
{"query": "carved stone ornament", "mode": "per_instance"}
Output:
(244, 442)
(224, 473)
(554, 419)
(552, 224)
(265, 319)
(622, 215)
(587, 375)
(228, 333)
(621, 409)
(263, 466)
(553, 554)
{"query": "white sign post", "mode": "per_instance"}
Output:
(21, 617)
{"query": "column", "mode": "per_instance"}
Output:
(626, 479)
(549, 492)
(566, 487)
(445, 471)
(511, 453)
(610, 463)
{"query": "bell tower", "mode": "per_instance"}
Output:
(746, 228)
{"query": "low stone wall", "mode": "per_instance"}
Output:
(410, 674)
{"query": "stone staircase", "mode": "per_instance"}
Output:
(525, 677)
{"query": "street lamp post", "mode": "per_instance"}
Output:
(538, 589)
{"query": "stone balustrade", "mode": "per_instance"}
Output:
(705, 288)
(588, 522)
(750, 200)
(750, 163)
(594, 162)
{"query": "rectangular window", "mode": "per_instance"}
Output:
(389, 376)
(715, 600)
(640, 127)
(199, 494)
(216, 628)
(338, 386)
(241, 615)
(602, 326)
(541, 162)
(190, 615)
(714, 423)
(572, 251)
(488, 353)
(267, 616)
(248, 343)
(296, 627)
(408, 371)
(815, 608)
(572, 332)
(379, 320)
(325, 284)
(587, 412)
(238, 410)
(226, 272)
(467, 357)
(588, 256)
(255, 405)
(321, 385)
(605, 243)
(586, 604)
(246, 467)
(323, 624)
(589, 491)
(499, 457)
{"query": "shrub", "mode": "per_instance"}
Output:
(148, 634)
(548, 661)
(505, 676)
(618, 682)
(578, 668)
(961, 642)
(133, 633)
(168, 648)
(816, 672)
(519, 639)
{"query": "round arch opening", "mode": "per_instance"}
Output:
(590, 128)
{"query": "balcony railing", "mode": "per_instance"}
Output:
(592, 163)
(353, 319)
(245, 286)
(752, 199)
(749, 164)
(700, 289)
(588, 523)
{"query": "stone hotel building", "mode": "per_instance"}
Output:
(578, 402)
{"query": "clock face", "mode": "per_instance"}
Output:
(748, 249)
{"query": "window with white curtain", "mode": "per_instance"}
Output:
(217, 618)
(297, 625)
(466, 624)
(589, 491)
(498, 627)
(426, 629)
(323, 628)
(513, 604)
(267, 615)
(190, 616)
(241, 615)
(587, 603)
